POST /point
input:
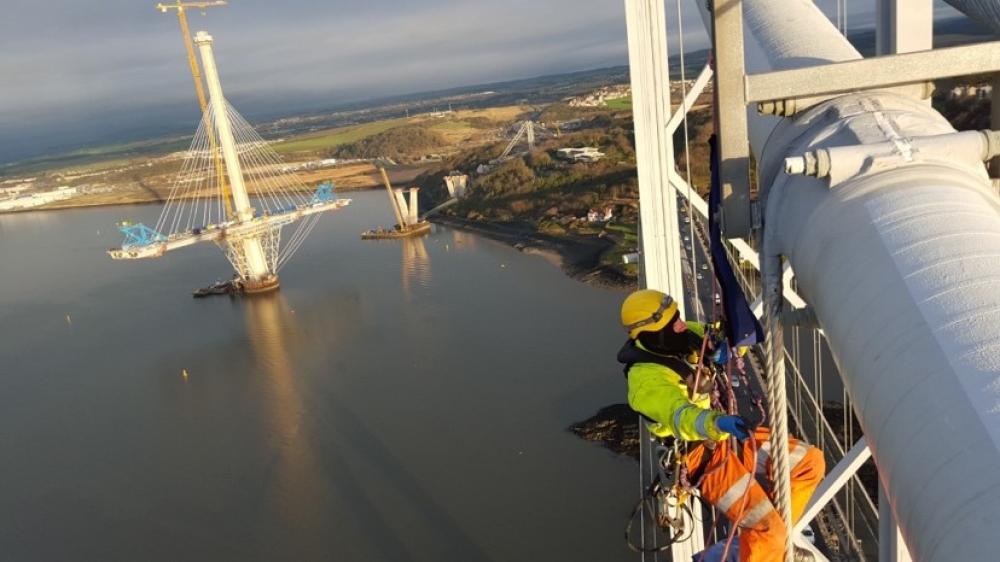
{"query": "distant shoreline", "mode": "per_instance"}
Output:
(69, 204)
(578, 257)
(400, 174)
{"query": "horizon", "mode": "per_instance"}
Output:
(134, 85)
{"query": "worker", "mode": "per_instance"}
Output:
(662, 363)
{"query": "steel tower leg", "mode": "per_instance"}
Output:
(654, 146)
(257, 269)
(659, 229)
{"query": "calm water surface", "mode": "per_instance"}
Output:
(397, 401)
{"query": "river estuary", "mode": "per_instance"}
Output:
(394, 401)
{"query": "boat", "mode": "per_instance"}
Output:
(419, 229)
(230, 287)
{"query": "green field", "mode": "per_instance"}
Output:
(620, 103)
(452, 126)
(332, 138)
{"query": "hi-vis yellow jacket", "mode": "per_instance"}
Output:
(659, 393)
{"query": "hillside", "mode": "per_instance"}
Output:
(537, 193)
(540, 194)
(404, 144)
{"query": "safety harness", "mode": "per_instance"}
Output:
(667, 500)
(630, 354)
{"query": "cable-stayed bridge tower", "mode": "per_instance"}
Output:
(244, 210)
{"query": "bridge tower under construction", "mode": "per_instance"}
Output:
(247, 252)
(242, 205)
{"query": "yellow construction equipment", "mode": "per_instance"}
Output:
(392, 200)
(199, 86)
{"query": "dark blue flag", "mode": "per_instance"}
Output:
(742, 327)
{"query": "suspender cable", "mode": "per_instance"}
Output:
(687, 161)
(774, 348)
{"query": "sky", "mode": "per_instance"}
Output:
(79, 71)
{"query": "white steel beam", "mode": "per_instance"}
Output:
(873, 73)
(834, 481)
(804, 544)
(660, 238)
(692, 96)
(904, 26)
(731, 117)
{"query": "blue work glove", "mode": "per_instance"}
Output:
(721, 354)
(733, 425)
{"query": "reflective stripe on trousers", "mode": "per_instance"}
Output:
(730, 486)
(798, 452)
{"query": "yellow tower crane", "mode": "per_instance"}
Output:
(199, 86)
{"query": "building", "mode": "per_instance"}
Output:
(601, 96)
(582, 154)
(13, 190)
(601, 215)
(38, 199)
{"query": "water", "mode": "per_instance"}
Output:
(398, 400)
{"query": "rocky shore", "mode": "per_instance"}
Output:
(614, 427)
(578, 256)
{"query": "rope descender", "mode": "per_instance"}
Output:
(667, 501)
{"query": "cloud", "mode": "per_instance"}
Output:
(113, 53)
(71, 66)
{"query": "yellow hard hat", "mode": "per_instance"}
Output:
(647, 311)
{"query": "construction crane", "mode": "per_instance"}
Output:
(199, 86)
(181, 8)
(400, 219)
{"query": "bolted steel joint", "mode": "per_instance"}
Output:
(816, 164)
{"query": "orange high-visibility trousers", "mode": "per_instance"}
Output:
(733, 485)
